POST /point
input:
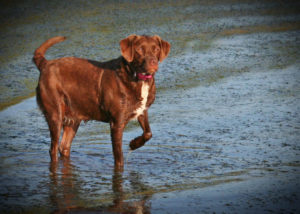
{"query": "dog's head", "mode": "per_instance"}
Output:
(143, 53)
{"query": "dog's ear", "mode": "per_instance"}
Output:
(126, 45)
(164, 48)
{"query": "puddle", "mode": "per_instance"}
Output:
(226, 117)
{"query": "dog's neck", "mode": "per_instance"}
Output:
(129, 70)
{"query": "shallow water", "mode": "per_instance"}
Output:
(225, 123)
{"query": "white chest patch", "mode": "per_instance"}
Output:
(144, 95)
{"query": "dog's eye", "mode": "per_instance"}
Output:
(139, 50)
(156, 49)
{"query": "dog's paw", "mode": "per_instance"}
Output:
(137, 143)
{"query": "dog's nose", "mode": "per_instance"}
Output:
(153, 62)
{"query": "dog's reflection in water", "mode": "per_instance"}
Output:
(119, 206)
(66, 193)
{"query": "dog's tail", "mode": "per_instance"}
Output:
(39, 54)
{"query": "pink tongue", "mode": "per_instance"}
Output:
(144, 77)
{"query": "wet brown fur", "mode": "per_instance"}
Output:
(73, 89)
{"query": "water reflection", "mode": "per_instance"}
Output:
(66, 192)
(119, 203)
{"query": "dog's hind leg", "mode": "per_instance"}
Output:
(50, 103)
(55, 124)
(69, 133)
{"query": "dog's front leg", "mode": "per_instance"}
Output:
(141, 140)
(116, 138)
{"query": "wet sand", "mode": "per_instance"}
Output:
(225, 123)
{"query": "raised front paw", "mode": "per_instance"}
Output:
(137, 143)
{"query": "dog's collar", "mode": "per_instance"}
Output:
(143, 77)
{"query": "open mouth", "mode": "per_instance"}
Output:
(144, 76)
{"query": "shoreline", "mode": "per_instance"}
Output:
(15, 101)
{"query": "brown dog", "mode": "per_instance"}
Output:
(72, 89)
